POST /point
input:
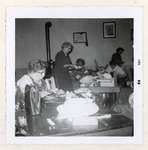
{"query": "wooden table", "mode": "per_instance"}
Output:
(98, 90)
(106, 97)
(49, 106)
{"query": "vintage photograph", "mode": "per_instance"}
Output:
(73, 78)
(69, 89)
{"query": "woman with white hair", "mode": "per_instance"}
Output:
(62, 64)
(30, 89)
(36, 72)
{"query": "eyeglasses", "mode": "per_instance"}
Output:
(41, 72)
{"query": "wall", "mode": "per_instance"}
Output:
(30, 39)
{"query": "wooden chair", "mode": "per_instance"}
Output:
(32, 107)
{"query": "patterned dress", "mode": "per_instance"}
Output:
(27, 103)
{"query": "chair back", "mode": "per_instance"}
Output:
(50, 82)
(32, 106)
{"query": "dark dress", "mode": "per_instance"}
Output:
(62, 76)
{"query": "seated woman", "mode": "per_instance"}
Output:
(38, 89)
(117, 72)
(34, 77)
(78, 71)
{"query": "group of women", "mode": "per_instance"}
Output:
(62, 78)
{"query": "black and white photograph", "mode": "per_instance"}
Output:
(74, 77)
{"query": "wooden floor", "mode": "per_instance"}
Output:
(126, 131)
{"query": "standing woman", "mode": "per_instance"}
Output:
(62, 63)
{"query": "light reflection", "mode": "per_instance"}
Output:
(78, 110)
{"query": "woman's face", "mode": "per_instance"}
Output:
(67, 50)
(37, 76)
(113, 66)
(80, 63)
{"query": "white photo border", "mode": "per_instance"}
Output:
(74, 12)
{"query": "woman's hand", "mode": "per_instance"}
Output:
(68, 65)
(43, 93)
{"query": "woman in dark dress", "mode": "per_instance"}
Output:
(117, 58)
(61, 71)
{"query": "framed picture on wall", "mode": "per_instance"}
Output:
(80, 37)
(109, 29)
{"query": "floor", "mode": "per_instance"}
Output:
(123, 104)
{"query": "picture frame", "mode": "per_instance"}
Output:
(80, 37)
(109, 30)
